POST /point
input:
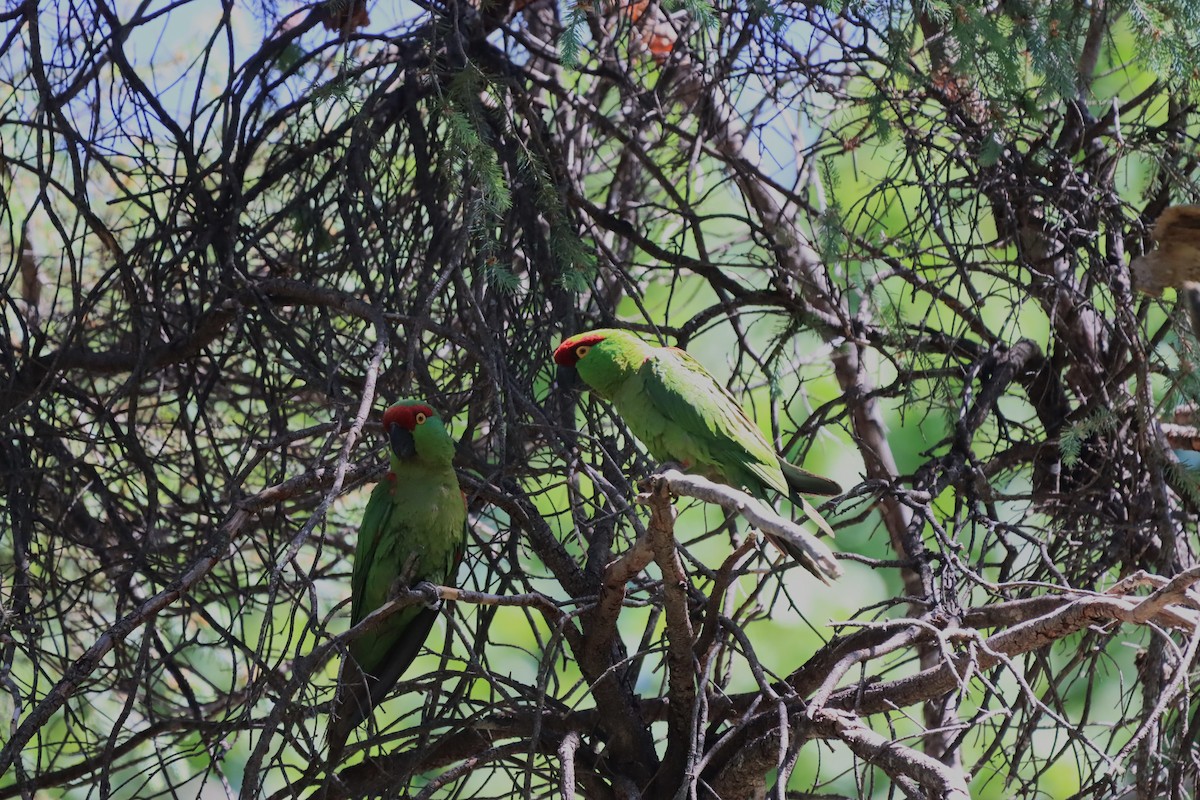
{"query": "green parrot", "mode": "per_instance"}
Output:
(682, 414)
(414, 530)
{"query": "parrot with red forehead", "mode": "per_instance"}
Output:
(413, 530)
(682, 414)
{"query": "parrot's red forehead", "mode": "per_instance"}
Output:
(405, 415)
(565, 355)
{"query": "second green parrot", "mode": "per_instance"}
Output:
(682, 414)
(413, 530)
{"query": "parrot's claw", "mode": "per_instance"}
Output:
(431, 590)
(656, 481)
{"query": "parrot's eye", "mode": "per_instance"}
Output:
(420, 418)
(582, 350)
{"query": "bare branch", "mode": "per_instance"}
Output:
(823, 564)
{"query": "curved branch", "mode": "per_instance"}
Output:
(821, 561)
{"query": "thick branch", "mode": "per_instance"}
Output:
(1074, 615)
(681, 673)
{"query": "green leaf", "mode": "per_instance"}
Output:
(991, 151)
(570, 42)
(1070, 441)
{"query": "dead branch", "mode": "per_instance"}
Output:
(756, 514)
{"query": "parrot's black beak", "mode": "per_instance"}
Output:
(401, 440)
(567, 380)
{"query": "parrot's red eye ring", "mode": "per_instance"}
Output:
(582, 350)
(420, 418)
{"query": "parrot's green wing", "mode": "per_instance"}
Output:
(378, 507)
(702, 424)
(387, 654)
(681, 413)
(388, 562)
(397, 545)
(377, 658)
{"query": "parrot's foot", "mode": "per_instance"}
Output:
(656, 481)
(430, 590)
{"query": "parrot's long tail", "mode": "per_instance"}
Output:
(359, 693)
(352, 706)
(804, 482)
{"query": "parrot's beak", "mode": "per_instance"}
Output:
(567, 380)
(402, 442)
